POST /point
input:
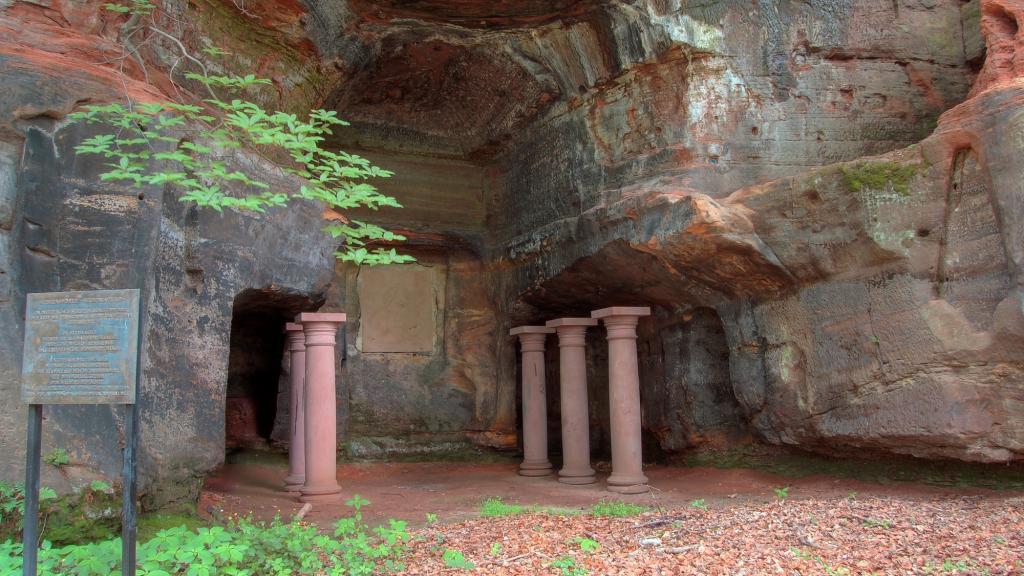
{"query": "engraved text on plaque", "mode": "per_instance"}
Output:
(81, 347)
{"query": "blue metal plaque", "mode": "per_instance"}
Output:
(81, 347)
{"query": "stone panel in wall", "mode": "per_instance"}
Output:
(398, 309)
(431, 401)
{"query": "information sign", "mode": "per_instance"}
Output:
(81, 347)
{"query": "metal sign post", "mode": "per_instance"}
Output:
(30, 536)
(81, 348)
(128, 520)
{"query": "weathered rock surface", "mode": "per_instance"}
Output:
(822, 200)
(68, 231)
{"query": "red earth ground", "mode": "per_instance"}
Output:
(454, 491)
(700, 521)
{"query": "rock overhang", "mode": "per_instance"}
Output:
(500, 14)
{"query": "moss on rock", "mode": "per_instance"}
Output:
(878, 175)
(88, 514)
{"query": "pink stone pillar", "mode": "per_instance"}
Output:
(296, 434)
(321, 428)
(572, 364)
(624, 398)
(535, 410)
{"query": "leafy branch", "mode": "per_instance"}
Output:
(190, 146)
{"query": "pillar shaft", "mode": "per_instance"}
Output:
(297, 430)
(321, 429)
(572, 362)
(624, 399)
(535, 410)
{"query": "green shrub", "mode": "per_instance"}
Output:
(455, 559)
(587, 544)
(567, 566)
(241, 548)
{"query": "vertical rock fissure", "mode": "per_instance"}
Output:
(953, 192)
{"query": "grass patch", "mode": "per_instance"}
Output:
(617, 509)
(793, 464)
(495, 507)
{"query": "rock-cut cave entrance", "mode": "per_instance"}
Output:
(686, 388)
(256, 405)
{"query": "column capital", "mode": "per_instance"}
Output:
(296, 337)
(562, 322)
(621, 321)
(532, 338)
(520, 330)
(331, 317)
(320, 328)
(635, 311)
(572, 332)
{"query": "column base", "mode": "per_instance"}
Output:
(327, 494)
(577, 480)
(294, 483)
(535, 469)
(631, 489)
(628, 484)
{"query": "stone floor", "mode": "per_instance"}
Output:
(454, 491)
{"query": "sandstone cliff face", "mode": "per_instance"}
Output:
(866, 305)
(68, 231)
(822, 200)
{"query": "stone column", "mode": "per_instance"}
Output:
(572, 363)
(321, 427)
(535, 410)
(297, 431)
(624, 398)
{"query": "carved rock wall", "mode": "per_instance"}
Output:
(66, 230)
(822, 200)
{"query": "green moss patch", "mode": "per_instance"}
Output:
(879, 175)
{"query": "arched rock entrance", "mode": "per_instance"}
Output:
(256, 410)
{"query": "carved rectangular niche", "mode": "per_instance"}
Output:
(398, 308)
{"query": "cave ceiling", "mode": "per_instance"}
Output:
(434, 96)
(446, 78)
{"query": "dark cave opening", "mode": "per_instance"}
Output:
(686, 386)
(256, 405)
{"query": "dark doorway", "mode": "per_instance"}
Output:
(257, 395)
(685, 383)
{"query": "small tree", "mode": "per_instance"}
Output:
(190, 144)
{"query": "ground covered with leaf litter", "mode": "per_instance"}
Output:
(853, 535)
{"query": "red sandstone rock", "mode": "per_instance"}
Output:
(559, 157)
